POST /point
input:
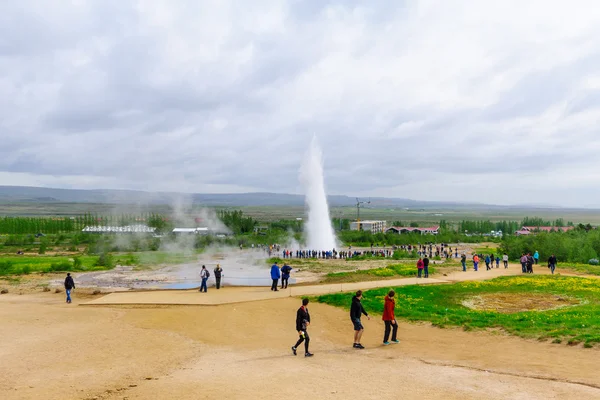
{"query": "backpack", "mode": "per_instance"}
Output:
(207, 274)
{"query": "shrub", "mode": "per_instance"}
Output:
(77, 263)
(61, 266)
(5, 267)
(26, 270)
(105, 260)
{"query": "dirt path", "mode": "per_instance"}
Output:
(51, 350)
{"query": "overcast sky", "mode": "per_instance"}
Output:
(487, 101)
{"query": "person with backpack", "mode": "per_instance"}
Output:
(389, 319)
(426, 267)
(356, 311)
(463, 261)
(204, 275)
(69, 285)
(302, 322)
(498, 261)
(285, 275)
(218, 274)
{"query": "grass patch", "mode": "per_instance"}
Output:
(443, 305)
(390, 271)
(23, 265)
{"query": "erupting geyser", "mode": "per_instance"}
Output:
(318, 227)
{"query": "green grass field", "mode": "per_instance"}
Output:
(442, 305)
(397, 270)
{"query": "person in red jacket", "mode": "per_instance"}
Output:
(389, 319)
(420, 266)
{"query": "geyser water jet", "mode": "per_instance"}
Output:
(319, 232)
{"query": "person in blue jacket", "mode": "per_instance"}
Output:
(275, 275)
(536, 257)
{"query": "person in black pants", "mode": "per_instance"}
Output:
(218, 274)
(426, 267)
(302, 322)
(285, 275)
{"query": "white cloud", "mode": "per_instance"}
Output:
(441, 100)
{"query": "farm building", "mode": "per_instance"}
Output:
(433, 230)
(370, 226)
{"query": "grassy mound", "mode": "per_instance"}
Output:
(575, 319)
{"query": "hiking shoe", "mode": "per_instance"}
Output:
(395, 341)
(294, 350)
(308, 355)
(386, 343)
(359, 346)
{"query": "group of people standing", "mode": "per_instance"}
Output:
(283, 274)
(204, 275)
(357, 310)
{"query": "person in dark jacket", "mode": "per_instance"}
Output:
(302, 322)
(275, 275)
(463, 261)
(529, 264)
(389, 319)
(69, 285)
(552, 263)
(285, 275)
(218, 274)
(426, 267)
(356, 311)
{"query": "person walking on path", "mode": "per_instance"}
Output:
(275, 275)
(302, 323)
(463, 261)
(505, 260)
(218, 274)
(487, 262)
(69, 285)
(523, 263)
(204, 274)
(552, 263)
(536, 257)
(356, 311)
(498, 261)
(475, 262)
(285, 275)
(426, 267)
(389, 319)
(420, 267)
(530, 262)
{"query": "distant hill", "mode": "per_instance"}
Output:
(25, 194)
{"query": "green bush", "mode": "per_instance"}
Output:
(61, 266)
(5, 267)
(105, 260)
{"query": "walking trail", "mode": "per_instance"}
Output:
(236, 294)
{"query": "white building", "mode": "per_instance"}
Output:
(190, 231)
(371, 226)
(119, 229)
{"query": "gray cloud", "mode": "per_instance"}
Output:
(430, 100)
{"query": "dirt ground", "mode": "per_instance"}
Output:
(52, 350)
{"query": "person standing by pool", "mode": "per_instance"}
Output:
(218, 274)
(389, 319)
(69, 285)
(204, 276)
(275, 275)
(285, 275)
